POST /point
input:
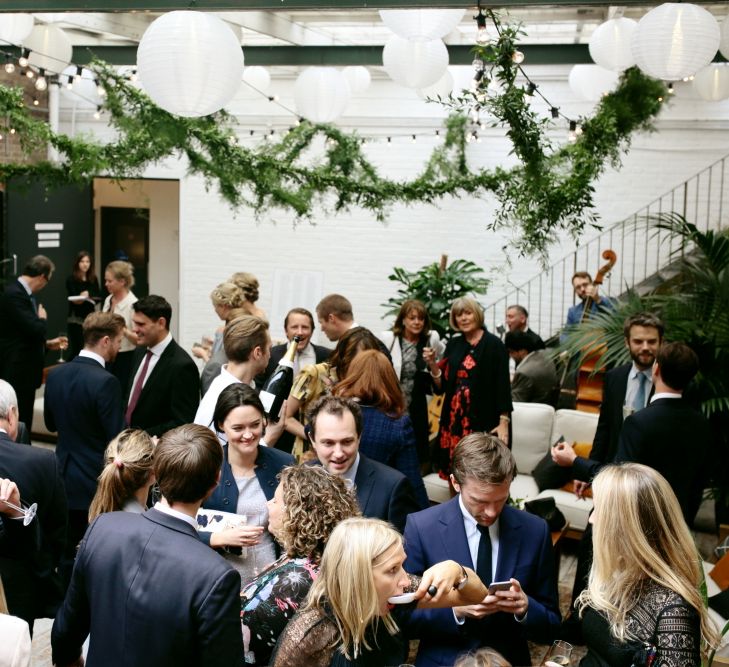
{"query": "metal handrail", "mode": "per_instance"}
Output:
(642, 252)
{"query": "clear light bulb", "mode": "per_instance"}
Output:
(41, 83)
(517, 57)
(9, 67)
(23, 60)
(482, 36)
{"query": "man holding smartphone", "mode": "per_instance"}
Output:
(505, 546)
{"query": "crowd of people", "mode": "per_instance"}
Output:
(177, 524)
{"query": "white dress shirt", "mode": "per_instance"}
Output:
(633, 383)
(96, 357)
(156, 351)
(166, 509)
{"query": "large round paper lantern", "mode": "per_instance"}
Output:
(610, 44)
(50, 49)
(190, 63)
(675, 40)
(321, 94)
(724, 38)
(358, 78)
(422, 24)
(14, 28)
(415, 64)
(591, 82)
(712, 82)
(258, 80)
(442, 87)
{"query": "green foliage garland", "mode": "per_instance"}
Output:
(550, 190)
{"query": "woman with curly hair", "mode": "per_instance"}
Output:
(307, 505)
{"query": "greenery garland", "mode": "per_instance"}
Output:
(550, 190)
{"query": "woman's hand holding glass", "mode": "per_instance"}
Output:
(238, 536)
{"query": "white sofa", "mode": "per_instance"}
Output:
(535, 427)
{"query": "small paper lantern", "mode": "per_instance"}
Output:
(415, 64)
(321, 94)
(591, 82)
(675, 40)
(712, 82)
(14, 28)
(358, 78)
(50, 49)
(422, 24)
(724, 37)
(190, 63)
(610, 44)
(442, 87)
(258, 80)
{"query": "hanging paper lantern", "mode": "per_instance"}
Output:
(14, 28)
(321, 94)
(442, 87)
(415, 64)
(258, 80)
(712, 82)
(675, 40)
(190, 63)
(591, 82)
(423, 24)
(358, 78)
(50, 49)
(610, 44)
(724, 38)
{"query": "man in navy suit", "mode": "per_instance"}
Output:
(165, 387)
(335, 425)
(83, 402)
(30, 555)
(500, 543)
(670, 435)
(23, 333)
(145, 587)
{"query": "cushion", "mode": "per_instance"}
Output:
(438, 489)
(574, 425)
(523, 487)
(720, 573)
(531, 427)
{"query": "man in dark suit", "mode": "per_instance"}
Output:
(535, 379)
(165, 387)
(145, 587)
(335, 425)
(83, 402)
(23, 333)
(517, 319)
(29, 564)
(660, 436)
(500, 543)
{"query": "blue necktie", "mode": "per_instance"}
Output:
(483, 557)
(639, 399)
(35, 304)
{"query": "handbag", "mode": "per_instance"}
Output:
(547, 509)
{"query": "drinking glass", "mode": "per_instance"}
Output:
(28, 511)
(558, 654)
(64, 344)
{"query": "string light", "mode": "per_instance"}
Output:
(23, 60)
(100, 90)
(29, 73)
(79, 73)
(531, 88)
(482, 36)
(670, 89)
(97, 113)
(35, 102)
(9, 64)
(41, 83)
(69, 83)
(555, 112)
(517, 57)
(414, 139)
(572, 136)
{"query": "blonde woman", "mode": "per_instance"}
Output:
(248, 284)
(128, 475)
(119, 280)
(484, 657)
(348, 619)
(225, 297)
(643, 603)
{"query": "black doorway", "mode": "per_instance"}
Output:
(125, 235)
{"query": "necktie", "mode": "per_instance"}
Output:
(136, 393)
(483, 558)
(639, 399)
(35, 304)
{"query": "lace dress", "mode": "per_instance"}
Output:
(661, 618)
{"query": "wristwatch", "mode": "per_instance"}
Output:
(464, 580)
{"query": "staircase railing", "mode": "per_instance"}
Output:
(642, 252)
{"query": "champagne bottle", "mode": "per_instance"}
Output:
(278, 386)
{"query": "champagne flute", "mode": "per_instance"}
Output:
(63, 344)
(28, 511)
(558, 655)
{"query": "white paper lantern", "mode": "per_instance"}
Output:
(321, 94)
(190, 63)
(358, 78)
(675, 40)
(610, 44)
(423, 24)
(442, 87)
(415, 64)
(724, 38)
(712, 82)
(50, 49)
(591, 82)
(258, 80)
(14, 28)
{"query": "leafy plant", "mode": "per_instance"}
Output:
(437, 285)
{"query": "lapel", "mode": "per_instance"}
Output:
(453, 534)
(158, 370)
(364, 481)
(509, 543)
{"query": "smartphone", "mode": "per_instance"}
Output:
(560, 439)
(499, 586)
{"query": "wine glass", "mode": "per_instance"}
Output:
(63, 344)
(558, 655)
(28, 511)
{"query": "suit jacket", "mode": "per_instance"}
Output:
(29, 556)
(22, 338)
(673, 438)
(535, 380)
(171, 392)
(83, 402)
(525, 553)
(151, 594)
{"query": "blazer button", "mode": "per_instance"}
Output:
(227, 482)
(225, 501)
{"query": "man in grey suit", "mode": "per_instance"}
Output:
(145, 587)
(535, 379)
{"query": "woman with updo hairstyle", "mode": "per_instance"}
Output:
(248, 284)
(119, 280)
(305, 509)
(128, 475)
